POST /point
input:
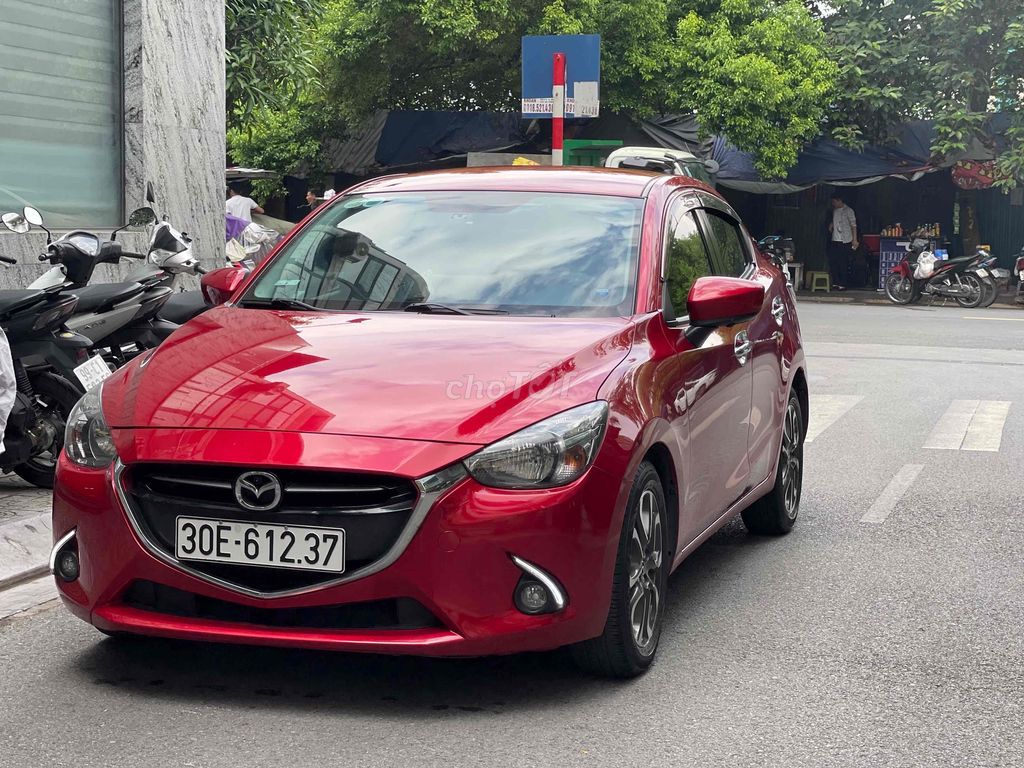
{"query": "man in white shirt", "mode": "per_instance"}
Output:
(239, 206)
(843, 242)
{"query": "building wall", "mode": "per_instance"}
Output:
(173, 132)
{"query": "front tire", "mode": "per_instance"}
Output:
(899, 289)
(776, 513)
(992, 294)
(978, 292)
(627, 646)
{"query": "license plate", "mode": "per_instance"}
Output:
(276, 546)
(93, 372)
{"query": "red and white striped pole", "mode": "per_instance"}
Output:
(557, 109)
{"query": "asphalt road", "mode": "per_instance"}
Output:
(884, 631)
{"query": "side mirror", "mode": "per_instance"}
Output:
(718, 301)
(33, 216)
(16, 223)
(140, 217)
(220, 284)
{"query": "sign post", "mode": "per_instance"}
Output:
(557, 108)
(561, 76)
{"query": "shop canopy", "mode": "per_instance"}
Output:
(407, 140)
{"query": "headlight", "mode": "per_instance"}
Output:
(88, 440)
(550, 453)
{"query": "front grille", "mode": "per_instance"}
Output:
(372, 509)
(397, 613)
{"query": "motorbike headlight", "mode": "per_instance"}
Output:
(87, 440)
(550, 453)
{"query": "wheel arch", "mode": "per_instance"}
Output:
(800, 388)
(660, 458)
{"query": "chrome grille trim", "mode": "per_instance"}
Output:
(451, 476)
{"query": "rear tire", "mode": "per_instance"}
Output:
(978, 292)
(992, 294)
(899, 289)
(628, 644)
(776, 513)
(56, 398)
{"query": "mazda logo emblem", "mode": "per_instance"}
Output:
(258, 491)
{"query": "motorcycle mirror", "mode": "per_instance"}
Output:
(141, 217)
(16, 223)
(32, 216)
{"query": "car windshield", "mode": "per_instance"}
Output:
(478, 252)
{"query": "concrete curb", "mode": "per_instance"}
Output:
(880, 300)
(25, 545)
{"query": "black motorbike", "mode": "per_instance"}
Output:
(43, 351)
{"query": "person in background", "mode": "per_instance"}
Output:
(312, 200)
(240, 206)
(843, 242)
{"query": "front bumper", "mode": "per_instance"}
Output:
(457, 565)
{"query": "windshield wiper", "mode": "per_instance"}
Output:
(280, 304)
(431, 306)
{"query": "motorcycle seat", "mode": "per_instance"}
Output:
(13, 300)
(99, 298)
(183, 306)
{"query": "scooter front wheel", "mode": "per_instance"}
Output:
(899, 289)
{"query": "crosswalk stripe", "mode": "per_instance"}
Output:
(826, 410)
(986, 430)
(890, 497)
(970, 425)
(949, 432)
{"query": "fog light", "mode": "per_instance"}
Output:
(531, 597)
(537, 590)
(67, 565)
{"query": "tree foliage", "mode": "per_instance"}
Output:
(270, 47)
(753, 69)
(954, 61)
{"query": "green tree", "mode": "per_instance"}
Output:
(754, 69)
(955, 61)
(270, 48)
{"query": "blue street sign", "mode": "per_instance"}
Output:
(582, 74)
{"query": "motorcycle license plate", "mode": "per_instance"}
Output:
(276, 546)
(93, 372)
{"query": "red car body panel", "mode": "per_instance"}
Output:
(407, 395)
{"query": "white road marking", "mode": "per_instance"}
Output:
(890, 497)
(986, 430)
(27, 595)
(949, 433)
(998, 319)
(826, 410)
(970, 425)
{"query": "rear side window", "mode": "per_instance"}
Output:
(686, 260)
(728, 256)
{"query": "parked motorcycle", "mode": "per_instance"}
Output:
(42, 352)
(1018, 272)
(921, 274)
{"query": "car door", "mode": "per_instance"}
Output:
(710, 381)
(734, 257)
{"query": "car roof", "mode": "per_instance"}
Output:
(593, 181)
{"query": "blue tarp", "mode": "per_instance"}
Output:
(825, 162)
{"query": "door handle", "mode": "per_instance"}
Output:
(778, 310)
(742, 347)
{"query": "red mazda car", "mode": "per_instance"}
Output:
(457, 413)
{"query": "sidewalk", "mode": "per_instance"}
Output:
(25, 534)
(1005, 300)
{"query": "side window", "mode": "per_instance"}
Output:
(686, 260)
(728, 256)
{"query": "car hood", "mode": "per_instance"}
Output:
(461, 379)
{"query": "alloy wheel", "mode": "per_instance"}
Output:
(792, 477)
(645, 581)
